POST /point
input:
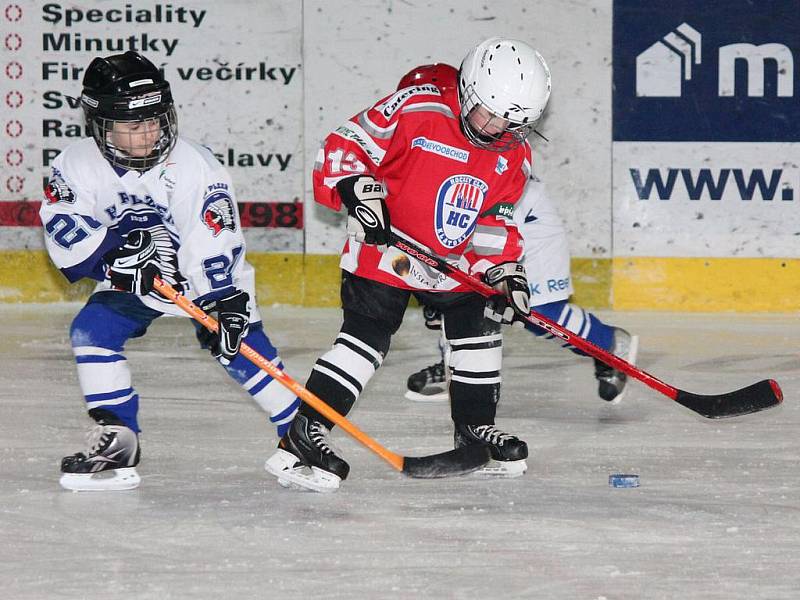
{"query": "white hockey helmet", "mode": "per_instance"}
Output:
(510, 80)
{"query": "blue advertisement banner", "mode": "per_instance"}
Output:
(706, 70)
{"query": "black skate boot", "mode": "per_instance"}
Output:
(508, 451)
(110, 461)
(611, 382)
(429, 384)
(305, 460)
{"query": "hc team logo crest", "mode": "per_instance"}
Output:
(458, 203)
(218, 212)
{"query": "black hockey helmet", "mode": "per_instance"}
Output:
(127, 88)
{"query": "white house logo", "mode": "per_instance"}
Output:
(662, 68)
(458, 203)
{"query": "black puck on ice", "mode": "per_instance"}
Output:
(623, 480)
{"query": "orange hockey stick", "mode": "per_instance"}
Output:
(455, 462)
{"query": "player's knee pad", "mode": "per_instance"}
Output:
(466, 319)
(373, 334)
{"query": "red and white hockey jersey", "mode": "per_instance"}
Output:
(443, 192)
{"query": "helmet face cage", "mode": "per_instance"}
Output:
(129, 110)
(508, 79)
(511, 135)
(129, 151)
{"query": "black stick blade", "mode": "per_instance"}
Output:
(759, 396)
(447, 464)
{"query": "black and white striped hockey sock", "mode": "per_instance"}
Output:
(475, 364)
(339, 375)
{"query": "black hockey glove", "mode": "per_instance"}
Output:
(134, 266)
(368, 220)
(233, 317)
(509, 279)
(433, 318)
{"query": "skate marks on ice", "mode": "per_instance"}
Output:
(207, 523)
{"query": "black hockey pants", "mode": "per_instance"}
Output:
(373, 312)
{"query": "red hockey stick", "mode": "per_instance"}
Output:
(455, 462)
(753, 398)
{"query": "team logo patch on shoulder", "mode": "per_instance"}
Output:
(504, 210)
(57, 190)
(218, 212)
(502, 165)
(441, 149)
(458, 203)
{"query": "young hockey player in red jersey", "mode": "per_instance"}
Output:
(443, 169)
(546, 260)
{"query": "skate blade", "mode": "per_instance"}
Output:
(114, 480)
(303, 478)
(501, 469)
(442, 396)
(632, 353)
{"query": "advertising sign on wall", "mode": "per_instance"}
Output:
(706, 124)
(235, 71)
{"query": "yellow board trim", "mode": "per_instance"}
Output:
(591, 279)
(281, 278)
(642, 283)
(706, 284)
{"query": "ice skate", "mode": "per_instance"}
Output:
(428, 385)
(611, 382)
(508, 451)
(109, 463)
(305, 461)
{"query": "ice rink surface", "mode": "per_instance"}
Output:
(717, 515)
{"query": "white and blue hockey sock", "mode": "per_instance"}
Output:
(273, 397)
(98, 335)
(576, 320)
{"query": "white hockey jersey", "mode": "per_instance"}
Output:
(546, 249)
(187, 203)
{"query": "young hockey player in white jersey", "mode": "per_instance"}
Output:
(547, 263)
(134, 202)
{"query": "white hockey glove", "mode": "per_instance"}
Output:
(368, 220)
(133, 266)
(233, 316)
(510, 280)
